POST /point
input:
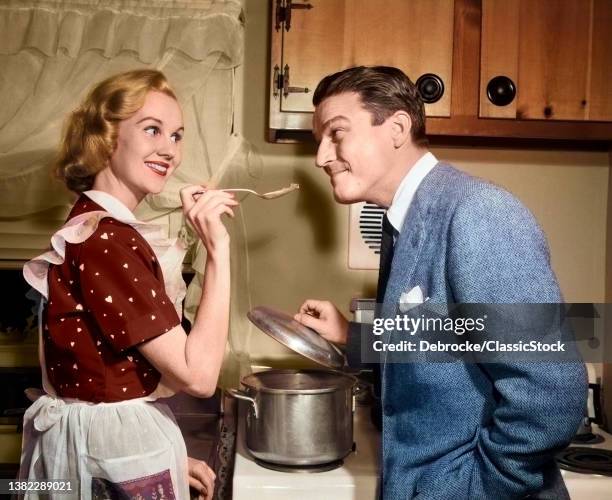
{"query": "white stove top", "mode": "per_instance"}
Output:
(590, 486)
(355, 480)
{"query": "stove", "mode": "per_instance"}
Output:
(356, 478)
(595, 460)
(353, 479)
(586, 465)
(586, 460)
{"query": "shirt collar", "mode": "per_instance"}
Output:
(112, 205)
(407, 188)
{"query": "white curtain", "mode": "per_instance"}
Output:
(52, 51)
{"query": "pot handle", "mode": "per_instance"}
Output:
(241, 395)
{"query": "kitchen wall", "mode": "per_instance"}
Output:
(297, 245)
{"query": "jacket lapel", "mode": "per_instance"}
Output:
(410, 241)
(407, 248)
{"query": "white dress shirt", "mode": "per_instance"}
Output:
(402, 199)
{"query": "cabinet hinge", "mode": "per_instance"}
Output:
(280, 82)
(283, 12)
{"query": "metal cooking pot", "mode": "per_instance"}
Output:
(299, 417)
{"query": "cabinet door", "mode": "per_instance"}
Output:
(557, 54)
(414, 35)
(599, 103)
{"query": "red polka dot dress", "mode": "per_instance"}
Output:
(106, 298)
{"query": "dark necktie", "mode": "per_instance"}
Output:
(386, 256)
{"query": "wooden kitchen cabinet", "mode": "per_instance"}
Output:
(557, 53)
(324, 36)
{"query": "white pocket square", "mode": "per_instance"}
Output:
(411, 299)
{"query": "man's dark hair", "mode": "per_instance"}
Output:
(383, 91)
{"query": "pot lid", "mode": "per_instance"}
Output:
(297, 337)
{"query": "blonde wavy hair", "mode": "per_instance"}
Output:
(90, 133)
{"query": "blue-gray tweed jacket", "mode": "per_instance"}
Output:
(473, 431)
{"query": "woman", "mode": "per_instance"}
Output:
(112, 341)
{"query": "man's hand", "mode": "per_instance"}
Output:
(201, 478)
(325, 318)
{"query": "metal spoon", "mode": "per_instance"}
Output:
(266, 196)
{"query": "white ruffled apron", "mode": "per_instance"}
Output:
(134, 445)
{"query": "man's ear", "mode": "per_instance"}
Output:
(401, 124)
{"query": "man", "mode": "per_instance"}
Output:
(449, 430)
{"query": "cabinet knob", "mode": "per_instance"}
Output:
(501, 90)
(430, 87)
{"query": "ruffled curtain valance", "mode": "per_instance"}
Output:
(147, 29)
(52, 51)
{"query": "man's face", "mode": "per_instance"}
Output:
(352, 151)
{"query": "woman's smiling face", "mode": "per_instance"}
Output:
(148, 149)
